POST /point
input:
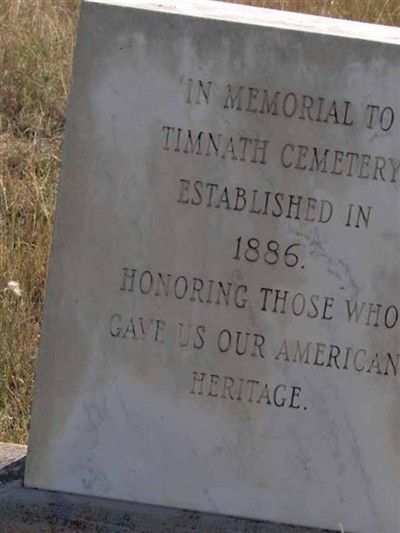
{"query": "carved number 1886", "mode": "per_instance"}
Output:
(271, 252)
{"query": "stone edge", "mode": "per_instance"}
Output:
(24, 510)
(244, 14)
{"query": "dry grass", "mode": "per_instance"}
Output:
(375, 11)
(36, 44)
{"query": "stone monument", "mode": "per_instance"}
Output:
(222, 318)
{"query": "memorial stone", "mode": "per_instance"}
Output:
(222, 318)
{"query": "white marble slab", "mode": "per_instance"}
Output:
(222, 319)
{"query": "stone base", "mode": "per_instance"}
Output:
(36, 511)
